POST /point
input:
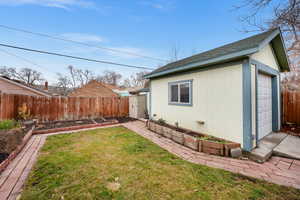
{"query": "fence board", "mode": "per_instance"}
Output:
(63, 108)
(291, 106)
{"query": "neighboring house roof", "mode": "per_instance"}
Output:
(124, 92)
(93, 89)
(232, 51)
(55, 90)
(25, 86)
(113, 87)
(143, 89)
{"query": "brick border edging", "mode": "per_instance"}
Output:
(72, 128)
(31, 132)
(16, 152)
(193, 142)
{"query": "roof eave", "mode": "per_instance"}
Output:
(279, 48)
(203, 63)
(28, 88)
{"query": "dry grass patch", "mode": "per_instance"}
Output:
(116, 163)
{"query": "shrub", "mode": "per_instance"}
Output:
(8, 124)
(161, 121)
(24, 112)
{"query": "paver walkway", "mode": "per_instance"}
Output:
(277, 170)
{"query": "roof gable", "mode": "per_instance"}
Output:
(93, 89)
(24, 86)
(235, 50)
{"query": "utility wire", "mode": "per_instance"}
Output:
(82, 43)
(25, 59)
(74, 57)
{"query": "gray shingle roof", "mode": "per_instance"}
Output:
(228, 49)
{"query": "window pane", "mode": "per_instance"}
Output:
(185, 93)
(174, 93)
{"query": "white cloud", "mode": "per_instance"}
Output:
(82, 51)
(82, 37)
(164, 5)
(64, 4)
(132, 52)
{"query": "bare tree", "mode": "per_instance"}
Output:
(4, 71)
(64, 83)
(73, 77)
(136, 80)
(79, 77)
(285, 14)
(27, 75)
(127, 83)
(110, 77)
(84, 76)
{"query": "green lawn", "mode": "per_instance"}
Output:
(116, 163)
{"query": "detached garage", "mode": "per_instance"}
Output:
(231, 92)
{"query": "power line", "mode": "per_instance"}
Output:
(25, 59)
(74, 57)
(82, 43)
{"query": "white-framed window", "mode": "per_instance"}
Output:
(180, 93)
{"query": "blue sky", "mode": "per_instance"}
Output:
(150, 28)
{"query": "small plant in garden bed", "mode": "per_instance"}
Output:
(11, 135)
(8, 124)
(213, 139)
(193, 140)
(161, 121)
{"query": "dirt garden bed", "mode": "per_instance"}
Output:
(62, 124)
(12, 141)
(196, 141)
(69, 125)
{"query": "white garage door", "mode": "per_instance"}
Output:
(264, 98)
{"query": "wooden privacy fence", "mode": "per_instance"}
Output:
(291, 106)
(63, 108)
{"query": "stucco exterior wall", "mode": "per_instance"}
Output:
(9, 88)
(217, 100)
(266, 56)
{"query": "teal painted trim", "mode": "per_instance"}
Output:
(256, 105)
(278, 46)
(280, 104)
(206, 68)
(281, 52)
(269, 39)
(275, 106)
(262, 68)
(150, 100)
(203, 63)
(190, 91)
(247, 107)
(275, 94)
